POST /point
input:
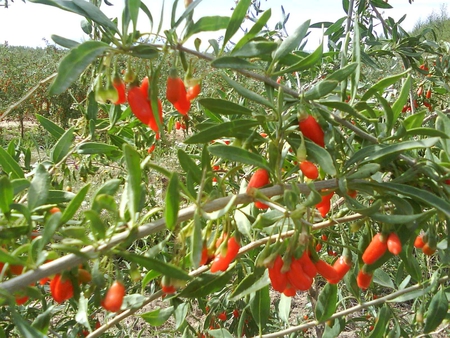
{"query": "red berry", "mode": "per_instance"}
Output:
(326, 270)
(278, 279)
(222, 316)
(375, 249)
(364, 279)
(193, 92)
(419, 242)
(393, 244)
(311, 129)
(309, 169)
(114, 297)
(61, 288)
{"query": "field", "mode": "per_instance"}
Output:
(251, 189)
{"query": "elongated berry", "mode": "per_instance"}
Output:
(308, 266)
(297, 276)
(419, 242)
(342, 265)
(324, 206)
(114, 297)
(193, 92)
(311, 129)
(278, 279)
(259, 179)
(376, 248)
(309, 169)
(364, 279)
(326, 270)
(393, 244)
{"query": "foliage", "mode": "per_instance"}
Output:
(369, 112)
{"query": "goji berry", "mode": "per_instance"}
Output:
(84, 276)
(393, 244)
(309, 169)
(119, 85)
(297, 276)
(428, 94)
(114, 297)
(221, 262)
(16, 269)
(289, 291)
(428, 250)
(145, 83)
(21, 299)
(222, 316)
(259, 179)
(177, 125)
(236, 313)
(342, 265)
(420, 91)
(307, 265)
(419, 242)
(326, 270)
(278, 279)
(193, 92)
(311, 129)
(54, 210)
(376, 248)
(364, 279)
(151, 149)
(173, 86)
(141, 108)
(61, 288)
(324, 206)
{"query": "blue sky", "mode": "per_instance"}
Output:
(28, 24)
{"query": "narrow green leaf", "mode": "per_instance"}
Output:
(260, 307)
(6, 194)
(42, 321)
(109, 188)
(382, 319)
(238, 16)
(403, 97)
(437, 311)
(335, 330)
(64, 42)
(97, 148)
(51, 225)
(5, 257)
(19, 185)
(248, 93)
(74, 204)
(322, 157)
(196, 241)
(133, 188)
(172, 204)
(224, 107)
(342, 73)
(382, 278)
(59, 196)
(75, 63)
(158, 317)
(320, 89)
(96, 223)
(432, 132)
(95, 14)
(144, 51)
(189, 166)
(39, 187)
(24, 327)
(292, 41)
(62, 146)
(54, 130)
(253, 32)
(345, 107)
(9, 165)
(381, 85)
(150, 263)
(133, 8)
(206, 284)
(226, 129)
(256, 49)
(208, 24)
(220, 333)
(233, 62)
(239, 155)
(253, 282)
(284, 308)
(305, 63)
(326, 303)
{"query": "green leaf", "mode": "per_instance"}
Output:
(333, 331)
(196, 241)
(255, 49)
(437, 311)
(9, 165)
(233, 62)
(284, 308)
(426, 132)
(54, 130)
(320, 89)
(62, 146)
(253, 282)
(401, 100)
(382, 319)
(6, 194)
(94, 13)
(226, 129)
(172, 202)
(414, 121)
(42, 321)
(19, 185)
(381, 85)
(82, 314)
(253, 32)
(206, 284)
(39, 187)
(224, 107)
(208, 24)
(292, 41)
(133, 8)
(144, 51)
(97, 148)
(305, 63)
(320, 156)
(343, 73)
(158, 317)
(74, 204)
(260, 307)
(52, 224)
(24, 327)
(238, 16)
(326, 303)
(133, 187)
(59, 196)
(64, 42)
(189, 166)
(382, 278)
(239, 155)
(97, 226)
(150, 263)
(220, 333)
(248, 93)
(75, 62)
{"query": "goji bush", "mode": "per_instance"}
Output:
(284, 152)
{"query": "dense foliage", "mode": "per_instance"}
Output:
(231, 181)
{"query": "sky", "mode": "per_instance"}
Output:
(30, 24)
